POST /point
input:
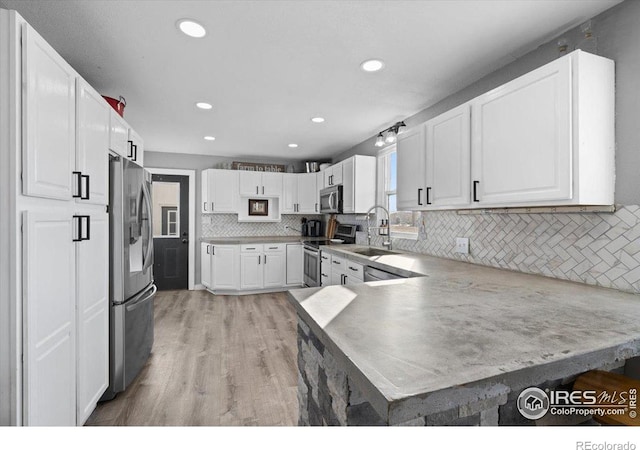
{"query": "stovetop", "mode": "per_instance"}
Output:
(345, 233)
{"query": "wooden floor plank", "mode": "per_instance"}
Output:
(216, 360)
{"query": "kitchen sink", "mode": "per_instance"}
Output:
(370, 251)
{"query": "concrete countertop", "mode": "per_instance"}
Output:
(463, 324)
(238, 240)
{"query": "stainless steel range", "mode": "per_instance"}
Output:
(313, 253)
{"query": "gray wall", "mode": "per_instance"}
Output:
(198, 162)
(617, 31)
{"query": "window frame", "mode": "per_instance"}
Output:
(382, 191)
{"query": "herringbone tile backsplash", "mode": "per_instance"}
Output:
(596, 248)
(224, 225)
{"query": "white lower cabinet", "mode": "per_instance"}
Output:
(263, 266)
(93, 312)
(65, 316)
(295, 260)
(205, 264)
(225, 267)
(345, 272)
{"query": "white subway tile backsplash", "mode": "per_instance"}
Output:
(224, 225)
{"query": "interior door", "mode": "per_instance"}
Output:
(170, 194)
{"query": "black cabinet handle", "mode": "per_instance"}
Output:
(259, 258)
(78, 176)
(208, 250)
(265, 259)
(256, 190)
(78, 220)
(135, 152)
(262, 190)
(130, 154)
(419, 192)
(87, 187)
(353, 268)
(213, 249)
(88, 236)
(475, 191)
(250, 248)
(205, 205)
(428, 191)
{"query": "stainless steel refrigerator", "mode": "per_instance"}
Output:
(132, 290)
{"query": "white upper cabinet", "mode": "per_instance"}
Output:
(333, 175)
(448, 159)
(49, 126)
(220, 189)
(547, 138)
(260, 184)
(307, 194)
(358, 184)
(118, 134)
(135, 149)
(92, 156)
(411, 156)
(299, 193)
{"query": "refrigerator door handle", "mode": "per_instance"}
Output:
(148, 258)
(142, 298)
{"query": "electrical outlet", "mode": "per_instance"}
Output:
(462, 245)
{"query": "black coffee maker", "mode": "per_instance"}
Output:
(312, 228)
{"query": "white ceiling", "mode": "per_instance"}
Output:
(269, 66)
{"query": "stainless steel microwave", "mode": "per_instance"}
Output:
(331, 200)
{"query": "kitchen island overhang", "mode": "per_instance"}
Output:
(455, 347)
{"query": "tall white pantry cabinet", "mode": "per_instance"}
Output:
(54, 310)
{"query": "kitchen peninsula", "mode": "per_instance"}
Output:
(455, 346)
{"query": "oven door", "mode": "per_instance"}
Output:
(311, 267)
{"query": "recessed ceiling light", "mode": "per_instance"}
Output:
(372, 65)
(191, 28)
(209, 138)
(293, 145)
(317, 119)
(204, 105)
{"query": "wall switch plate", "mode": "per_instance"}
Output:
(462, 245)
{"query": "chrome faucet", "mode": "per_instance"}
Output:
(386, 243)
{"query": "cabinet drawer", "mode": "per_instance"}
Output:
(354, 270)
(338, 262)
(274, 247)
(251, 248)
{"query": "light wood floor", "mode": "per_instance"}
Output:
(216, 360)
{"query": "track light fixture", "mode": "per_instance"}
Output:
(391, 137)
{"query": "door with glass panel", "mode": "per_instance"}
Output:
(170, 197)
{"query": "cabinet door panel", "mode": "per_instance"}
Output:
(205, 264)
(250, 183)
(522, 138)
(289, 193)
(294, 264)
(49, 319)
(449, 158)
(118, 134)
(348, 186)
(251, 271)
(272, 184)
(411, 153)
(49, 107)
(93, 316)
(307, 201)
(92, 156)
(275, 269)
(225, 267)
(223, 193)
(336, 172)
